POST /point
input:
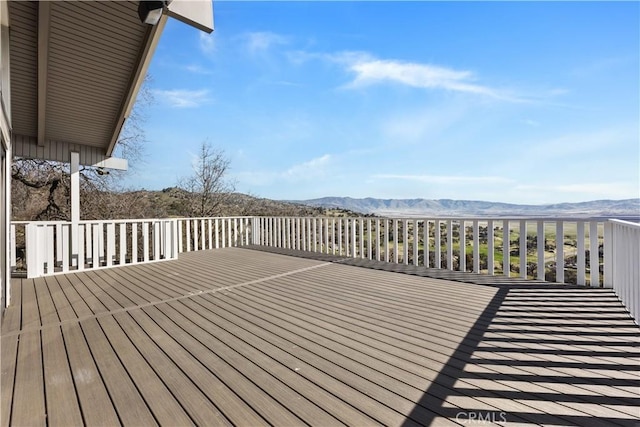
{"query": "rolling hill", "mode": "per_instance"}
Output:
(629, 208)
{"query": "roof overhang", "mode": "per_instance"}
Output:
(76, 68)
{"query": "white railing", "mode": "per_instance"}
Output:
(578, 251)
(59, 247)
(42, 248)
(623, 255)
(534, 249)
(211, 233)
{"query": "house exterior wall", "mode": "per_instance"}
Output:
(5, 157)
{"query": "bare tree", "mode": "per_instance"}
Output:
(208, 187)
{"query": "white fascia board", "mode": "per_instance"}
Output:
(113, 163)
(197, 13)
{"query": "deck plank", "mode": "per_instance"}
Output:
(195, 403)
(232, 406)
(243, 337)
(334, 391)
(8, 356)
(248, 330)
(28, 405)
(63, 408)
(77, 303)
(245, 389)
(46, 307)
(87, 297)
(62, 305)
(266, 373)
(166, 409)
(30, 311)
(12, 319)
(95, 402)
(130, 406)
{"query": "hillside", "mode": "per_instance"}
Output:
(447, 207)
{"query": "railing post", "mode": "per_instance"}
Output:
(134, 241)
(581, 256)
(426, 242)
(449, 244)
(179, 234)
(559, 252)
(123, 243)
(594, 255)
(506, 248)
(476, 246)
(462, 237)
(81, 244)
(490, 248)
(369, 240)
(437, 244)
(48, 250)
(31, 250)
(210, 232)
(523, 249)
(111, 243)
(96, 252)
(12, 245)
(540, 243)
(66, 250)
(395, 240)
(405, 242)
(609, 242)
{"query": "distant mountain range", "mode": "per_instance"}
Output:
(629, 208)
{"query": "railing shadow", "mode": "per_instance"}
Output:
(539, 353)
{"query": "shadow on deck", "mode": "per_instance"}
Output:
(248, 337)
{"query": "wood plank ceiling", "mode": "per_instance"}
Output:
(73, 66)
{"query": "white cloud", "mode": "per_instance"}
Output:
(183, 98)
(445, 179)
(586, 190)
(257, 42)
(312, 168)
(370, 70)
(580, 143)
(207, 43)
(197, 69)
(419, 125)
(530, 122)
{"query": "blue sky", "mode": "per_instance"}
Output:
(504, 101)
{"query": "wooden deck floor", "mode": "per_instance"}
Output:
(245, 337)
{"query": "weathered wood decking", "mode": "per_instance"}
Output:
(243, 337)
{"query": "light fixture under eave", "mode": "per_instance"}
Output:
(151, 11)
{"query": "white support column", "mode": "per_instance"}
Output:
(75, 206)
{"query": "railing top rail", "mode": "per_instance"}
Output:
(120, 221)
(629, 224)
(457, 218)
